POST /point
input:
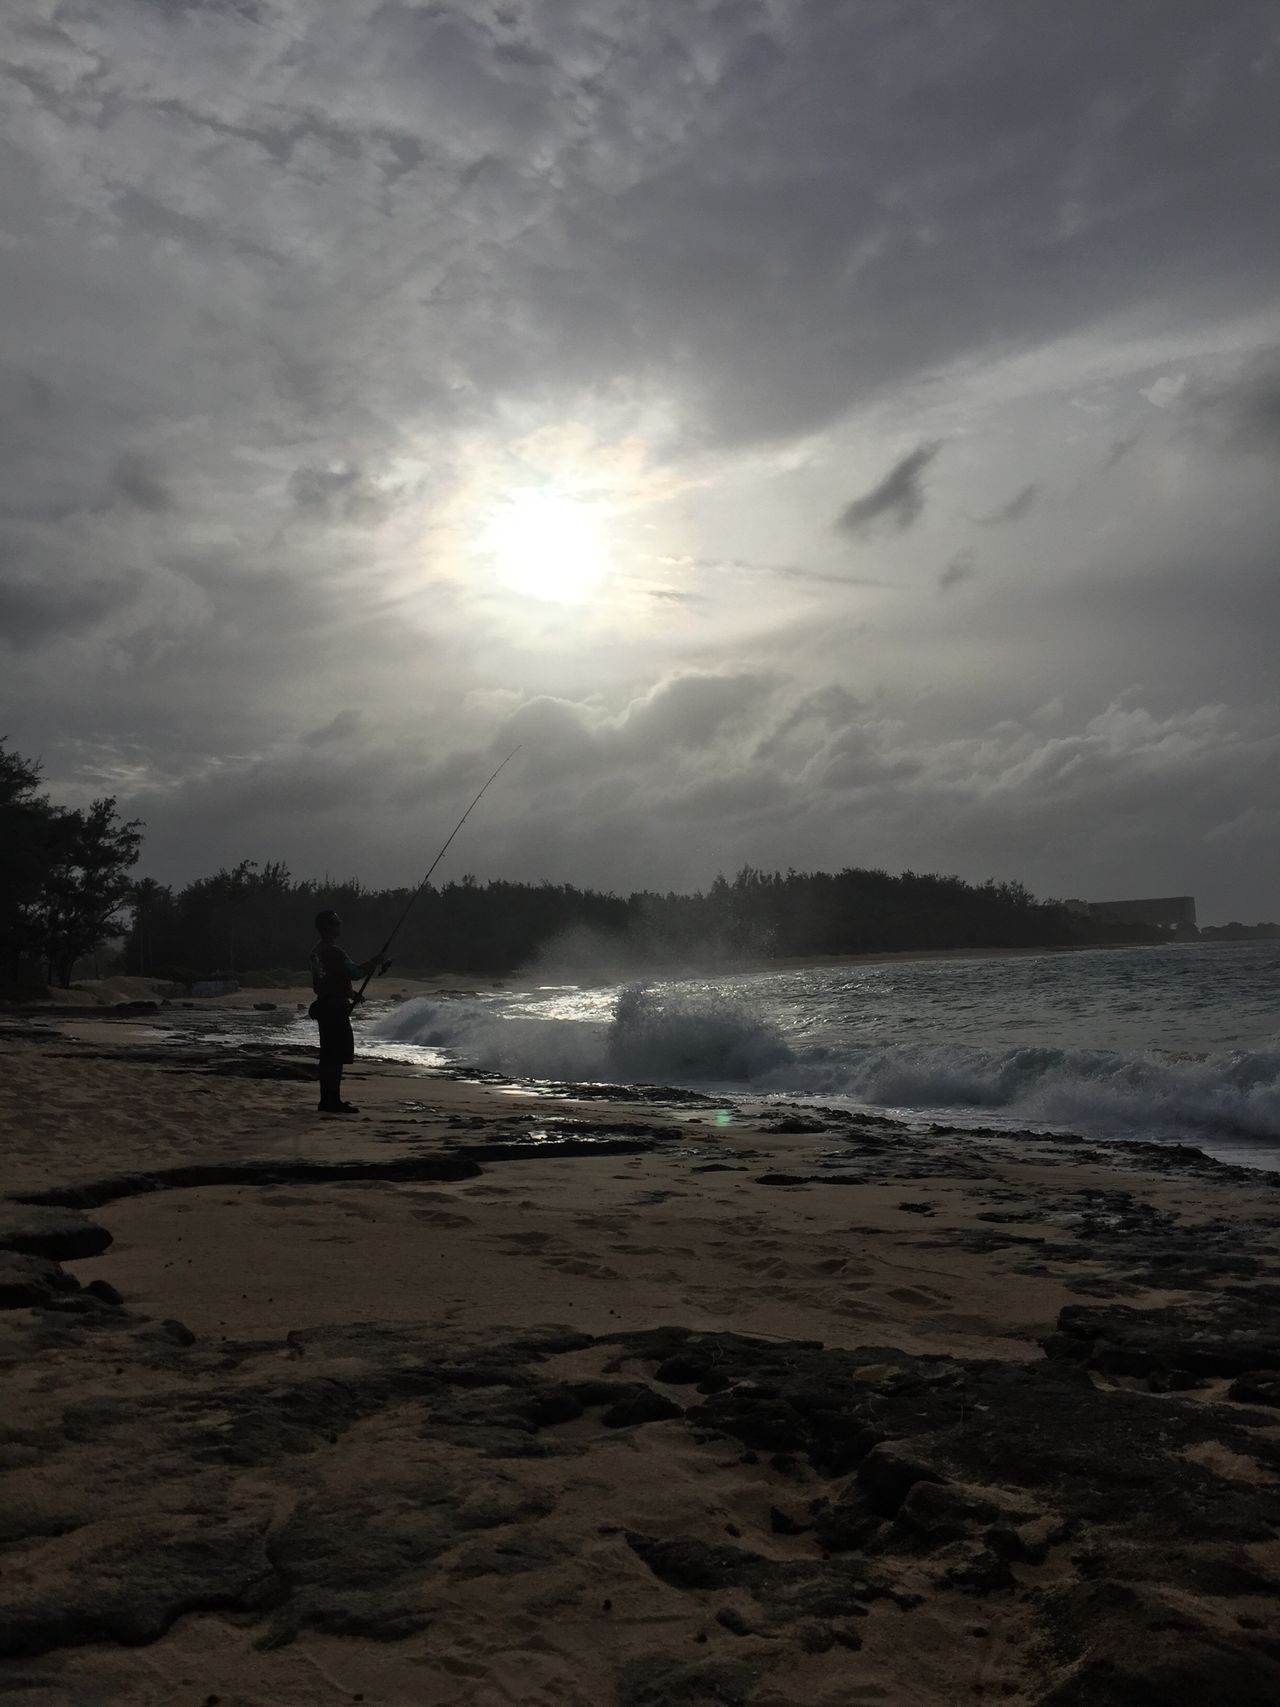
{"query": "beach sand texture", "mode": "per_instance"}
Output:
(488, 1398)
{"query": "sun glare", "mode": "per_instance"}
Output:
(548, 547)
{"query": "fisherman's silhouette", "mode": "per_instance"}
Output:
(332, 979)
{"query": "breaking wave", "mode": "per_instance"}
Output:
(667, 1040)
(707, 1041)
(1091, 1091)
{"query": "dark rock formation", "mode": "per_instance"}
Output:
(27, 1281)
(1223, 1334)
(28, 1226)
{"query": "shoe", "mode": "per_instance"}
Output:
(338, 1108)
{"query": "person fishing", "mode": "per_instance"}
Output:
(332, 979)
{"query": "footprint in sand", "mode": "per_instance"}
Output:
(441, 1218)
(844, 1267)
(583, 1266)
(773, 1270)
(599, 1223)
(919, 1297)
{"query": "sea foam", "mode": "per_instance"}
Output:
(704, 1040)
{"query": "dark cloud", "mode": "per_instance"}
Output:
(897, 499)
(961, 568)
(1243, 410)
(341, 493)
(138, 480)
(1119, 449)
(348, 724)
(1015, 509)
(33, 611)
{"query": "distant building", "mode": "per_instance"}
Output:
(1167, 912)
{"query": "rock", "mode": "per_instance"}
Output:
(683, 1368)
(41, 1230)
(1027, 1543)
(888, 1474)
(1174, 1381)
(177, 1331)
(846, 1526)
(782, 1523)
(1255, 1390)
(105, 1292)
(1218, 1676)
(1122, 1644)
(660, 1680)
(684, 1562)
(552, 1405)
(506, 1558)
(641, 1405)
(31, 1282)
(264, 1007)
(132, 1589)
(982, 1572)
(943, 1512)
(70, 1228)
(730, 1619)
(352, 1577)
(1215, 1336)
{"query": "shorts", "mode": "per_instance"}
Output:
(337, 1042)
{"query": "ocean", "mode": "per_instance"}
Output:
(1177, 1043)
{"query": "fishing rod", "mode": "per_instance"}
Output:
(382, 952)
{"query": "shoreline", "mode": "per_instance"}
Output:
(584, 1398)
(124, 991)
(282, 1006)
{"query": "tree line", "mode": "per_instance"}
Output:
(66, 889)
(260, 917)
(64, 878)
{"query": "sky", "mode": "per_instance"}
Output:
(816, 432)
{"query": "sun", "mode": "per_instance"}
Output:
(547, 546)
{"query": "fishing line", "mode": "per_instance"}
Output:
(382, 952)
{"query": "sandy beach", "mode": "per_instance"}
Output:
(486, 1397)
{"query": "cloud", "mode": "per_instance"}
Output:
(1015, 509)
(1120, 799)
(898, 498)
(340, 493)
(961, 568)
(689, 711)
(1166, 390)
(1119, 449)
(291, 300)
(139, 481)
(34, 610)
(348, 724)
(1242, 411)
